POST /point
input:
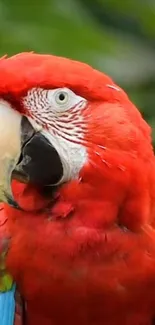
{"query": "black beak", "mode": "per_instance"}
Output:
(39, 162)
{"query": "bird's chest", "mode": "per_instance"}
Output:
(70, 273)
(56, 279)
(56, 261)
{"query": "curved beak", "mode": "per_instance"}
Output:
(25, 154)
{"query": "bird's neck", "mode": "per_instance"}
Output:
(117, 197)
(97, 204)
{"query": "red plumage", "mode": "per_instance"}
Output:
(87, 254)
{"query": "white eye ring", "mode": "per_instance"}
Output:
(61, 97)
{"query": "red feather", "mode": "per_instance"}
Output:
(88, 256)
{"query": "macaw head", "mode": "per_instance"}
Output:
(63, 121)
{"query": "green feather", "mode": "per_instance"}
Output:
(6, 281)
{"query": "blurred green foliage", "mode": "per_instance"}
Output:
(115, 36)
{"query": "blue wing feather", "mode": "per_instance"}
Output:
(7, 307)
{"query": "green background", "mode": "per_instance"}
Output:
(115, 36)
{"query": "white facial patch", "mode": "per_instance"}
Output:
(59, 113)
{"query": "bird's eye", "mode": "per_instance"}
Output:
(61, 97)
